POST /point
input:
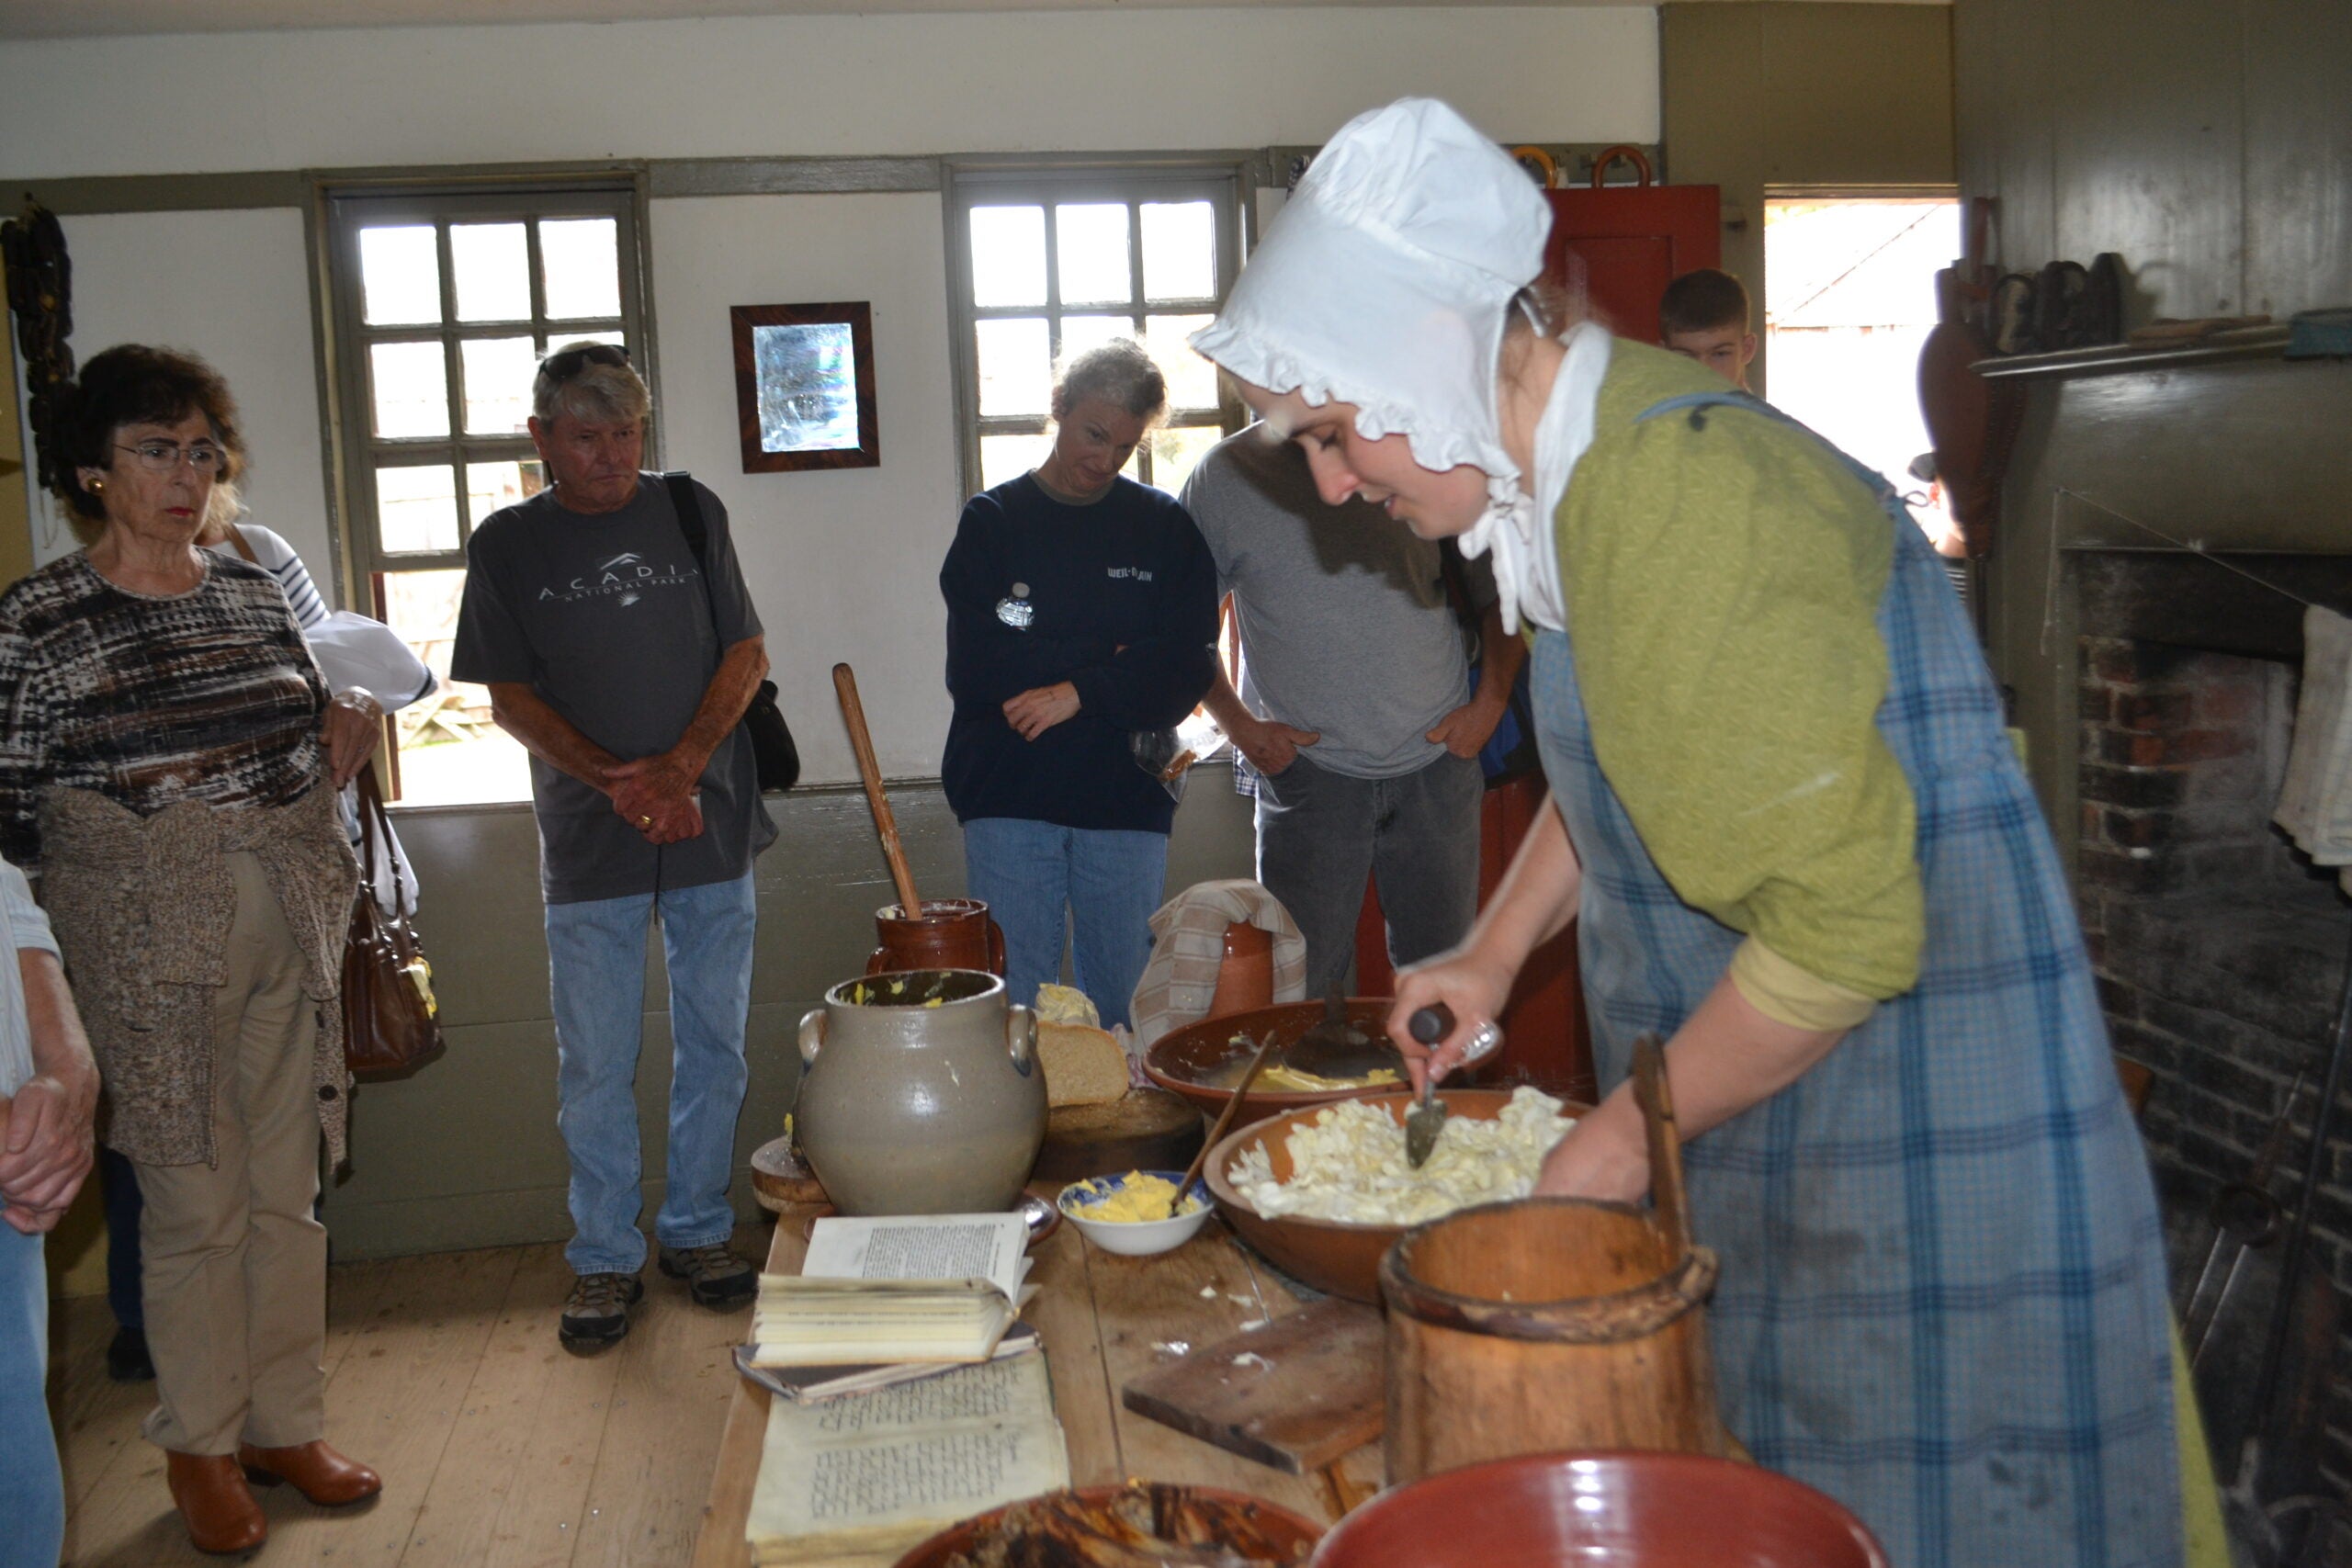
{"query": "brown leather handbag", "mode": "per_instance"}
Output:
(389, 1028)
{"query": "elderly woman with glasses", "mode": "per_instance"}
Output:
(169, 757)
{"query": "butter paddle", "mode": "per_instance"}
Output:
(1224, 1120)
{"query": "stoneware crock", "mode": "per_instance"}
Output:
(923, 1094)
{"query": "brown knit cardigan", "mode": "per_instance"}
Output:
(142, 907)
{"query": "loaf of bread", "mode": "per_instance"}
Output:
(1083, 1065)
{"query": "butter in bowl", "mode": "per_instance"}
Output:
(1129, 1213)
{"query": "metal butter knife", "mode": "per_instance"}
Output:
(1426, 1120)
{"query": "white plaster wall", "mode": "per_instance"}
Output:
(833, 85)
(231, 286)
(844, 565)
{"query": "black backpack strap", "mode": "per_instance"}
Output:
(688, 507)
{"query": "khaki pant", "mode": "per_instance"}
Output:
(235, 1265)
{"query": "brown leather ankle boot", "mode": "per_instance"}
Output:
(320, 1473)
(214, 1502)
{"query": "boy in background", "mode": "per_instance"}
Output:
(1704, 316)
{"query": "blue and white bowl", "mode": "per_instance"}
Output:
(1136, 1238)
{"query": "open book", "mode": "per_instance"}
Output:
(927, 1288)
(871, 1474)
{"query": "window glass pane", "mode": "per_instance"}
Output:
(1176, 449)
(582, 260)
(1092, 243)
(1016, 373)
(411, 389)
(1006, 458)
(416, 509)
(1082, 333)
(400, 274)
(1007, 255)
(492, 267)
(490, 486)
(1191, 380)
(498, 372)
(450, 752)
(1179, 250)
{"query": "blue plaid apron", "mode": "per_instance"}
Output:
(1942, 1299)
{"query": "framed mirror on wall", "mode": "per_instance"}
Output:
(803, 387)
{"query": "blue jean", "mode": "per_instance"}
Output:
(32, 1488)
(596, 965)
(1109, 881)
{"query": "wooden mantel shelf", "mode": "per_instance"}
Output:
(2123, 358)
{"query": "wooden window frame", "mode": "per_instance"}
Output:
(967, 186)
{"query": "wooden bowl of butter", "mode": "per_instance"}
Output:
(1130, 1215)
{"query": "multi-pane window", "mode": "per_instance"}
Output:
(445, 305)
(1048, 266)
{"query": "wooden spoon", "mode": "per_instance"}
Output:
(1224, 1120)
(853, 712)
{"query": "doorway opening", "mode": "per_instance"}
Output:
(1848, 299)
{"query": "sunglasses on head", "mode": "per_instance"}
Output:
(564, 365)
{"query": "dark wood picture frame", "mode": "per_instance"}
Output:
(772, 442)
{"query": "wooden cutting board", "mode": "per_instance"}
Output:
(781, 1179)
(1295, 1394)
(1147, 1129)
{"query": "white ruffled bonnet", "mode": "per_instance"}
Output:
(1386, 281)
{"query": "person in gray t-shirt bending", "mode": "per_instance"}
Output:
(623, 659)
(1355, 711)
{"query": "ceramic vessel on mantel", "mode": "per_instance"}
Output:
(923, 1094)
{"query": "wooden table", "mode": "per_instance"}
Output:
(1104, 1319)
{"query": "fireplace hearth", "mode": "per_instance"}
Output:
(2220, 949)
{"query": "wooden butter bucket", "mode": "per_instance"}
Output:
(950, 933)
(1552, 1323)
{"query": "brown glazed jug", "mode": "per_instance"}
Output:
(923, 1094)
(950, 933)
(1245, 980)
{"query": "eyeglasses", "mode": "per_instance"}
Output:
(564, 365)
(163, 457)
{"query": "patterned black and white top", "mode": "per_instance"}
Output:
(208, 696)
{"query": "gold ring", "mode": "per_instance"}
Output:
(645, 821)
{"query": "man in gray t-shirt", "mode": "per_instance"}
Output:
(1355, 711)
(623, 660)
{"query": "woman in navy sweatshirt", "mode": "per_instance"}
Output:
(1082, 608)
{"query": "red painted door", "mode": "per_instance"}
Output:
(1619, 247)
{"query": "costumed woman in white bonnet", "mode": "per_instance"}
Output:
(1799, 848)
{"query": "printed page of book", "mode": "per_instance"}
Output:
(874, 1471)
(920, 1246)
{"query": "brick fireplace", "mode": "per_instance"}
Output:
(2220, 949)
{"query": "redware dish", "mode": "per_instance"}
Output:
(1293, 1534)
(1192, 1060)
(1601, 1510)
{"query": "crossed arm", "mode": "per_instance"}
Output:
(654, 795)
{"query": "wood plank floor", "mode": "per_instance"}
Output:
(497, 1447)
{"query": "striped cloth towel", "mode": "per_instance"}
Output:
(1188, 949)
(2315, 804)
